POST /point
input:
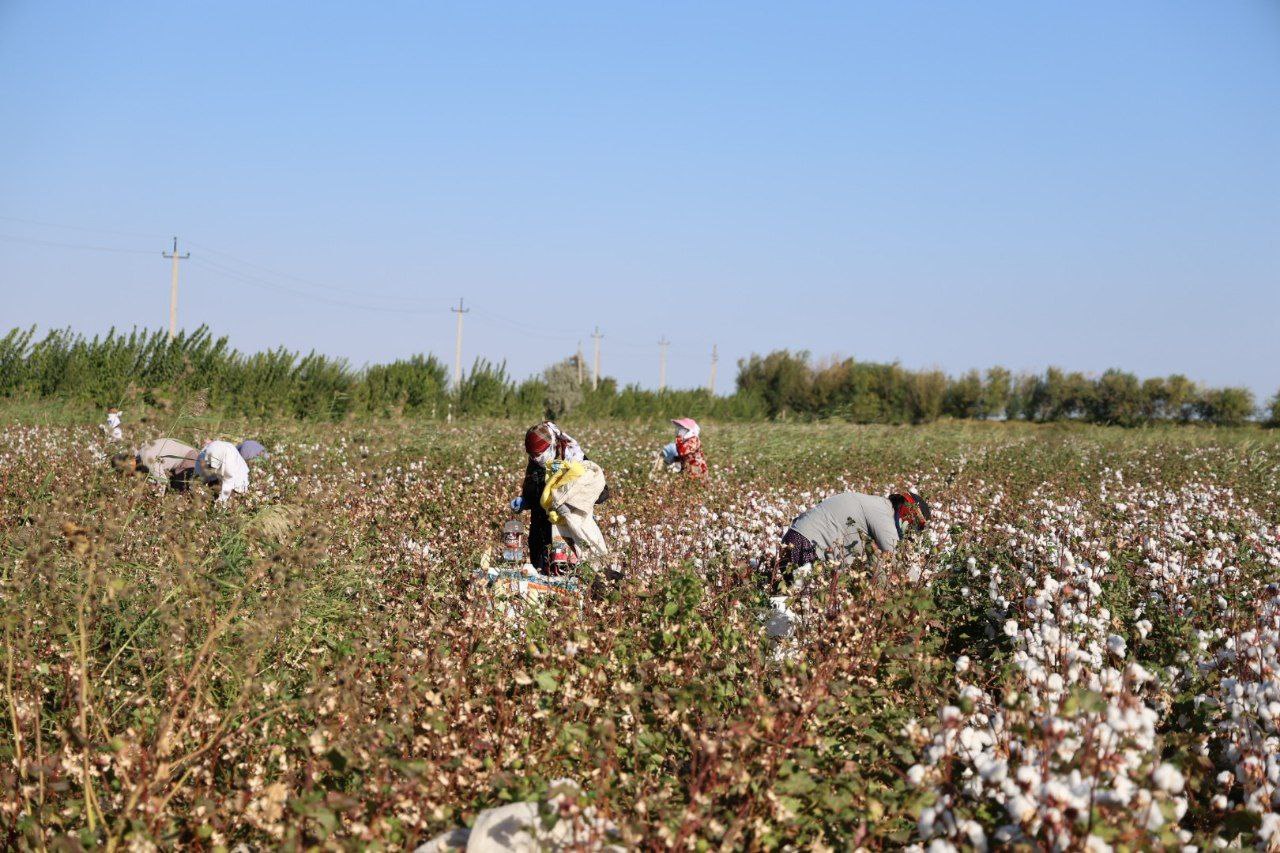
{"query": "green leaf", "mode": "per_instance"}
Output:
(547, 681)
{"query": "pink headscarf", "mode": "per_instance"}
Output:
(686, 426)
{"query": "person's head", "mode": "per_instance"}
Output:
(685, 427)
(910, 512)
(540, 443)
(126, 463)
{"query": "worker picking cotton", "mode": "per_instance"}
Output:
(686, 451)
(165, 460)
(839, 529)
(220, 464)
(112, 427)
(544, 444)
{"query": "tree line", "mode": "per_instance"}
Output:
(140, 366)
(868, 392)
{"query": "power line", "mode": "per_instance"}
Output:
(81, 228)
(300, 280)
(245, 278)
(61, 245)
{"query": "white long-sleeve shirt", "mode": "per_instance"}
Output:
(221, 462)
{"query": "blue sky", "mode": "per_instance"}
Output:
(1083, 184)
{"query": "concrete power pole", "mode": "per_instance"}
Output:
(662, 371)
(595, 363)
(715, 357)
(457, 349)
(173, 287)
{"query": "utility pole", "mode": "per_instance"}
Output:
(715, 357)
(578, 360)
(595, 364)
(173, 287)
(662, 371)
(457, 349)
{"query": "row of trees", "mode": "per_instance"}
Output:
(148, 367)
(866, 392)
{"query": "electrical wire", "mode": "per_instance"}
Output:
(244, 278)
(300, 280)
(85, 246)
(82, 228)
(413, 305)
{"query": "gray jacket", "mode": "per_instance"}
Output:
(840, 526)
(166, 457)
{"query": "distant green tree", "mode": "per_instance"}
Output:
(1180, 398)
(486, 390)
(1117, 399)
(964, 397)
(782, 379)
(1154, 397)
(1023, 397)
(564, 391)
(925, 392)
(1273, 411)
(1226, 406)
(996, 390)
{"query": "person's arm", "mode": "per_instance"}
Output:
(228, 486)
(531, 490)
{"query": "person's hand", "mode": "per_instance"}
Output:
(517, 505)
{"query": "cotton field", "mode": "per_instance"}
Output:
(1082, 651)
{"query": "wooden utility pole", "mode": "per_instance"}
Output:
(595, 363)
(173, 287)
(457, 349)
(662, 371)
(715, 357)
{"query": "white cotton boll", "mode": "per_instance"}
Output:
(926, 822)
(1168, 778)
(962, 663)
(1020, 808)
(972, 830)
(991, 771)
(1122, 790)
(1270, 829)
(1137, 674)
(1011, 627)
(1116, 645)
(940, 845)
(915, 775)
(1094, 844)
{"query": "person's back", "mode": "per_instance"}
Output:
(838, 526)
(165, 457)
(221, 462)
